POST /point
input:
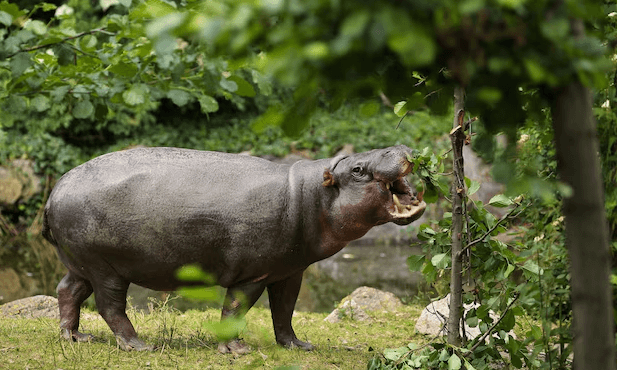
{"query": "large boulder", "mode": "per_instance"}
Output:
(361, 301)
(32, 307)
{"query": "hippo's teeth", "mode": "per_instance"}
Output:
(399, 206)
(388, 185)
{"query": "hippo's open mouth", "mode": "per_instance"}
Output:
(404, 206)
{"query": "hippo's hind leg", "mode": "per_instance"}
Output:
(72, 292)
(238, 300)
(110, 297)
(283, 295)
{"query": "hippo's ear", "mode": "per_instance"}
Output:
(328, 173)
(328, 178)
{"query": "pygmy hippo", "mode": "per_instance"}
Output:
(137, 216)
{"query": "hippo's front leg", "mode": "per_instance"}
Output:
(283, 295)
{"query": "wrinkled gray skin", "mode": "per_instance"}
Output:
(137, 216)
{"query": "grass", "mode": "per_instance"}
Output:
(183, 343)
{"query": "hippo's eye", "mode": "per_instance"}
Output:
(356, 169)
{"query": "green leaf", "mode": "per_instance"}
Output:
(536, 332)
(88, 42)
(532, 267)
(393, 354)
(415, 262)
(126, 3)
(124, 69)
(444, 355)
(47, 7)
(468, 365)
(472, 186)
(454, 363)
(201, 293)
(273, 117)
(36, 26)
(472, 321)
(228, 85)
(244, 88)
(441, 260)
(19, 63)
(59, 93)
(316, 50)
(179, 97)
(500, 201)
(208, 104)
(400, 108)
(5, 18)
(40, 103)
(508, 271)
(226, 329)
(65, 54)
(134, 96)
(191, 273)
(83, 109)
(508, 321)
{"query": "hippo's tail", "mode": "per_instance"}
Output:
(46, 230)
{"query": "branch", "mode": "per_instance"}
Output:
(486, 334)
(385, 100)
(97, 30)
(502, 219)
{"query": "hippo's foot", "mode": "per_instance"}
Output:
(134, 344)
(76, 336)
(297, 343)
(235, 346)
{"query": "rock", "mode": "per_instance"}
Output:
(32, 307)
(435, 315)
(361, 301)
(18, 181)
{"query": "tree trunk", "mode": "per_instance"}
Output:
(586, 228)
(457, 137)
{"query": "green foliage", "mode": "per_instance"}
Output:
(64, 77)
(505, 49)
(526, 277)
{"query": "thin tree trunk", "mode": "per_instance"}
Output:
(586, 228)
(457, 137)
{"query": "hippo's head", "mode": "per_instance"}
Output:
(372, 188)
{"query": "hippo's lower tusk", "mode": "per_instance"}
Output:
(399, 206)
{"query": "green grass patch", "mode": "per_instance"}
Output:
(183, 343)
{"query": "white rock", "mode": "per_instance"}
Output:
(433, 318)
